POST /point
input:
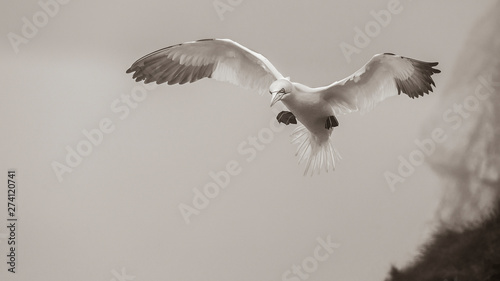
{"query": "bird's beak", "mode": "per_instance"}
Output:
(277, 96)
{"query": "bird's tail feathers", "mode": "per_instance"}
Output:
(316, 152)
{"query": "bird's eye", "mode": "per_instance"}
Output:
(282, 90)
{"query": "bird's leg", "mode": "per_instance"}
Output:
(331, 121)
(286, 117)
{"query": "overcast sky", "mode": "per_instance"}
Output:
(119, 207)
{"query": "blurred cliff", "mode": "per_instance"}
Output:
(466, 243)
(469, 112)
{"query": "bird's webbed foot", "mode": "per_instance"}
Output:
(286, 117)
(331, 121)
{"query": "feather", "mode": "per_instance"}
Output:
(220, 59)
(385, 75)
(319, 154)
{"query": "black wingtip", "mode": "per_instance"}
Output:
(423, 82)
(208, 39)
(432, 65)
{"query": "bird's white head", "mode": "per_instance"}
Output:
(279, 90)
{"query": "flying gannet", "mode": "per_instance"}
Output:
(385, 75)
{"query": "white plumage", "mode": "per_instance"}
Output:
(385, 75)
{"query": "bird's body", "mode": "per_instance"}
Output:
(309, 106)
(313, 139)
(383, 76)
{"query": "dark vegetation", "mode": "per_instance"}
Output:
(453, 255)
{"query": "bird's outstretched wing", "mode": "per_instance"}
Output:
(385, 75)
(220, 59)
